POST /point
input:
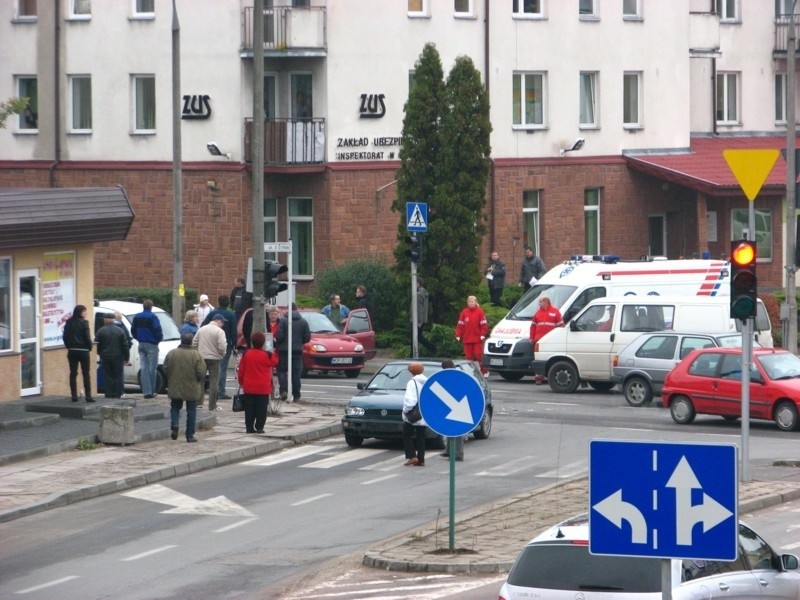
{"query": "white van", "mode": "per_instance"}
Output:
(573, 284)
(584, 349)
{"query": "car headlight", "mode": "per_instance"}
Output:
(354, 411)
(359, 348)
(318, 348)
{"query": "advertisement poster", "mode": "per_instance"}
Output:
(58, 294)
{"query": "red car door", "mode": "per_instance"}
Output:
(359, 326)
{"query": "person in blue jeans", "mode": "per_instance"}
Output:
(186, 371)
(146, 329)
(223, 302)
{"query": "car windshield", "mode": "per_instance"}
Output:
(168, 327)
(780, 365)
(730, 341)
(570, 566)
(396, 376)
(319, 323)
(525, 308)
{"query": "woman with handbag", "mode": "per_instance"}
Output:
(414, 426)
(255, 379)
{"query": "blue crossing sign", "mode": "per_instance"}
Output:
(663, 500)
(417, 216)
(452, 402)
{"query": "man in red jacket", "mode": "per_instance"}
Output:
(471, 330)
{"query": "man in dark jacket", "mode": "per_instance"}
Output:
(301, 335)
(532, 268)
(496, 276)
(146, 329)
(113, 350)
(364, 301)
(185, 370)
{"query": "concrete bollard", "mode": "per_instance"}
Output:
(116, 425)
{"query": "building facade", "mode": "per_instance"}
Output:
(609, 121)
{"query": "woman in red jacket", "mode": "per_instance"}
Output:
(471, 330)
(255, 378)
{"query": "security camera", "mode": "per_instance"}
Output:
(214, 149)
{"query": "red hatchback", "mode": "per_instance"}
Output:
(332, 349)
(708, 381)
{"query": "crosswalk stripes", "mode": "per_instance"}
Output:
(342, 459)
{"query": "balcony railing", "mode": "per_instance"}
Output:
(288, 141)
(782, 24)
(290, 30)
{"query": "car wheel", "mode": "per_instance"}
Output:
(353, 441)
(509, 376)
(638, 391)
(437, 443)
(353, 374)
(786, 416)
(485, 428)
(682, 410)
(563, 377)
(602, 386)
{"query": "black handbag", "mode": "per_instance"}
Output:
(238, 402)
(414, 415)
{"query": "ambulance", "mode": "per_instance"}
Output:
(576, 282)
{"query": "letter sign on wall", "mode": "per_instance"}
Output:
(196, 107)
(372, 106)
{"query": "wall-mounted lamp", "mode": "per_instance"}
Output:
(211, 184)
(214, 150)
(577, 145)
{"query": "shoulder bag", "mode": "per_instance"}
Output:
(238, 405)
(413, 415)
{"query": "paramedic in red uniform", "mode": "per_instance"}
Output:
(471, 330)
(544, 320)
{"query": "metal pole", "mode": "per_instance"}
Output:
(451, 446)
(747, 354)
(257, 225)
(290, 296)
(790, 343)
(178, 291)
(414, 315)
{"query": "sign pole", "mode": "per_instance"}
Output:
(451, 448)
(414, 315)
(666, 579)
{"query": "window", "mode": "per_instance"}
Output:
(301, 99)
(26, 9)
(81, 95)
(5, 304)
(80, 9)
(780, 97)
(631, 100)
(528, 99)
(586, 8)
(144, 8)
(588, 99)
(301, 233)
(144, 90)
(739, 221)
(530, 220)
(659, 346)
(591, 220)
(727, 98)
(783, 7)
(462, 8)
(729, 10)
(631, 9)
(269, 97)
(418, 8)
(270, 225)
(27, 87)
(528, 8)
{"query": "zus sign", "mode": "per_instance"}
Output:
(372, 106)
(196, 107)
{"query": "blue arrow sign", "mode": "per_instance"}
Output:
(664, 500)
(417, 216)
(452, 402)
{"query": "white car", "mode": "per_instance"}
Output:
(128, 310)
(557, 564)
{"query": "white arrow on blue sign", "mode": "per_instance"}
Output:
(452, 402)
(664, 500)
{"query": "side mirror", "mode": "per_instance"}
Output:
(789, 562)
(361, 385)
(573, 326)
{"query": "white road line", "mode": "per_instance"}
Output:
(234, 526)
(565, 471)
(342, 458)
(285, 456)
(389, 464)
(379, 479)
(509, 467)
(148, 553)
(792, 546)
(312, 499)
(48, 584)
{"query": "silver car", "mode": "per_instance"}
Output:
(641, 367)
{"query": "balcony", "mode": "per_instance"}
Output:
(782, 24)
(289, 31)
(703, 34)
(288, 142)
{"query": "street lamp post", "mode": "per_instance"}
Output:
(790, 342)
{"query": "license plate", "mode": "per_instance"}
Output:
(342, 360)
(496, 362)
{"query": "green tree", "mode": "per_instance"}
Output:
(12, 106)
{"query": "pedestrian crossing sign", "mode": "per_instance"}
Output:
(417, 216)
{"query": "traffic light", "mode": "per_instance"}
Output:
(744, 283)
(272, 285)
(414, 251)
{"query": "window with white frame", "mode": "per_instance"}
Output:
(144, 103)
(728, 10)
(591, 220)
(528, 8)
(80, 9)
(28, 87)
(588, 99)
(144, 8)
(727, 98)
(783, 7)
(5, 304)
(587, 8)
(462, 8)
(530, 220)
(81, 98)
(301, 233)
(270, 97)
(780, 97)
(26, 9)
(631, 9)
(270, 225)
(301, 87)
(740, 218)
(528, 103)
(632, 99)
(417, 8)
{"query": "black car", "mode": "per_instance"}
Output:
(376, 410)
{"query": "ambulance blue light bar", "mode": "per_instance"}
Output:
(601, 258)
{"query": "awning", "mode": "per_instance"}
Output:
(703, 168)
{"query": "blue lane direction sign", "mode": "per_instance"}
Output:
(664, 500)
(417, 216)
(452, 402)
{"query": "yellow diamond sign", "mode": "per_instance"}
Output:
(751, 168)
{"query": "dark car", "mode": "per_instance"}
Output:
(710, 382)
(376, 410)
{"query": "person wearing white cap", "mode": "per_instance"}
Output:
(203, 308)
(211, 342)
